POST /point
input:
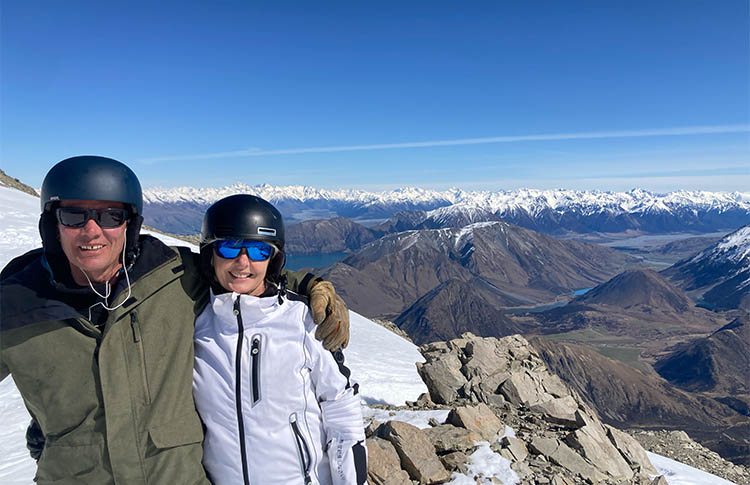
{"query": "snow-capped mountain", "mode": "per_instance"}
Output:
(180, 209)
(722, 270)
(562, 211)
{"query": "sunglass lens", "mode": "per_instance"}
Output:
(256, 250)
(226, 251)
(78, 217)
(72, 216)
(111, 218)
(259, 252)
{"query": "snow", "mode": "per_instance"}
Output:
(733, 248)
(208, 195)
(678, 473)
(371, 354)
(473, 206)
(381, 362)
(737, 243)
(420, 419)
(486, 464)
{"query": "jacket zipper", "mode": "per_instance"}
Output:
(302, 448)
(139, 343)
(255, 354)
(238, 390)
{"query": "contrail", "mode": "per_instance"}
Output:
(255, 152)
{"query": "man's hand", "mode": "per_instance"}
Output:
(331, 316)
(35, 440)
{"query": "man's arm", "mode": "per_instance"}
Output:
(328, 309)
(4, 372)
(300, 282)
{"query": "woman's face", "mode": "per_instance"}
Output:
(241, 275)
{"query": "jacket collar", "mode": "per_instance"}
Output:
(252, 309)
(30, 297)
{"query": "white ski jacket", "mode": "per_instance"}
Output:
(277, 407)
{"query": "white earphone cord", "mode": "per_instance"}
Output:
(107, 286)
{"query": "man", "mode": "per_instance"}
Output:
(97, 330)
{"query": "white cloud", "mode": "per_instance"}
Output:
(255, 152)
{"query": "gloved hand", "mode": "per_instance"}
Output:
(35, 440)
(330, 315)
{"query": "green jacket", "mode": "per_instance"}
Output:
(115, 405)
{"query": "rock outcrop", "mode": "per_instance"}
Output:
(490, 386)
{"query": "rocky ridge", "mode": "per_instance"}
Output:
(13, 183)
(488, 383)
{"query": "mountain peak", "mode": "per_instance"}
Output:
(638, 288)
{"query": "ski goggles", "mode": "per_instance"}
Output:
(230, 249)
(108, 218)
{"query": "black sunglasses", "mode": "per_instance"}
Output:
(108, 218)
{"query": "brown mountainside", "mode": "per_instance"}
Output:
(635, 288)
(718, 363)
(626, 397)
(327, 236)
(523, 266)
(453, 308)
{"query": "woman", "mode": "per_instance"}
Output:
(278, 408)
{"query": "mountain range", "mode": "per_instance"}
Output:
(491, 264)
(179, 210)
(720, 274)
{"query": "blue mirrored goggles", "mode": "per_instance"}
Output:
(230, 249)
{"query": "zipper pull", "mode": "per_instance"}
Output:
(135, 327)
(256, 346)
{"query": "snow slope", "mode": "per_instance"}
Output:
(382, 363)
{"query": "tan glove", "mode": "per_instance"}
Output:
(330, 315)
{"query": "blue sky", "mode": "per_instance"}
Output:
(478, 95)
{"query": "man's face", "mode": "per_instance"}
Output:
(240, 274)
(90, 248)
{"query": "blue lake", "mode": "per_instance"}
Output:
(298, 261)
(541, 308)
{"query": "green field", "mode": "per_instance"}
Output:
(611, 346)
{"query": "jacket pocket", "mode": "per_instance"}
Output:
(255, 372)
(174, 452)
(303, 449)
(138, 340)
(72, 461)
(184, 430)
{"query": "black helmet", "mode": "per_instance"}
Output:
(244, 216)
(90, 177)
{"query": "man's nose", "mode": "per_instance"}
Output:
(91, 227)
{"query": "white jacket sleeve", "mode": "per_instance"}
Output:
(338, 397)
